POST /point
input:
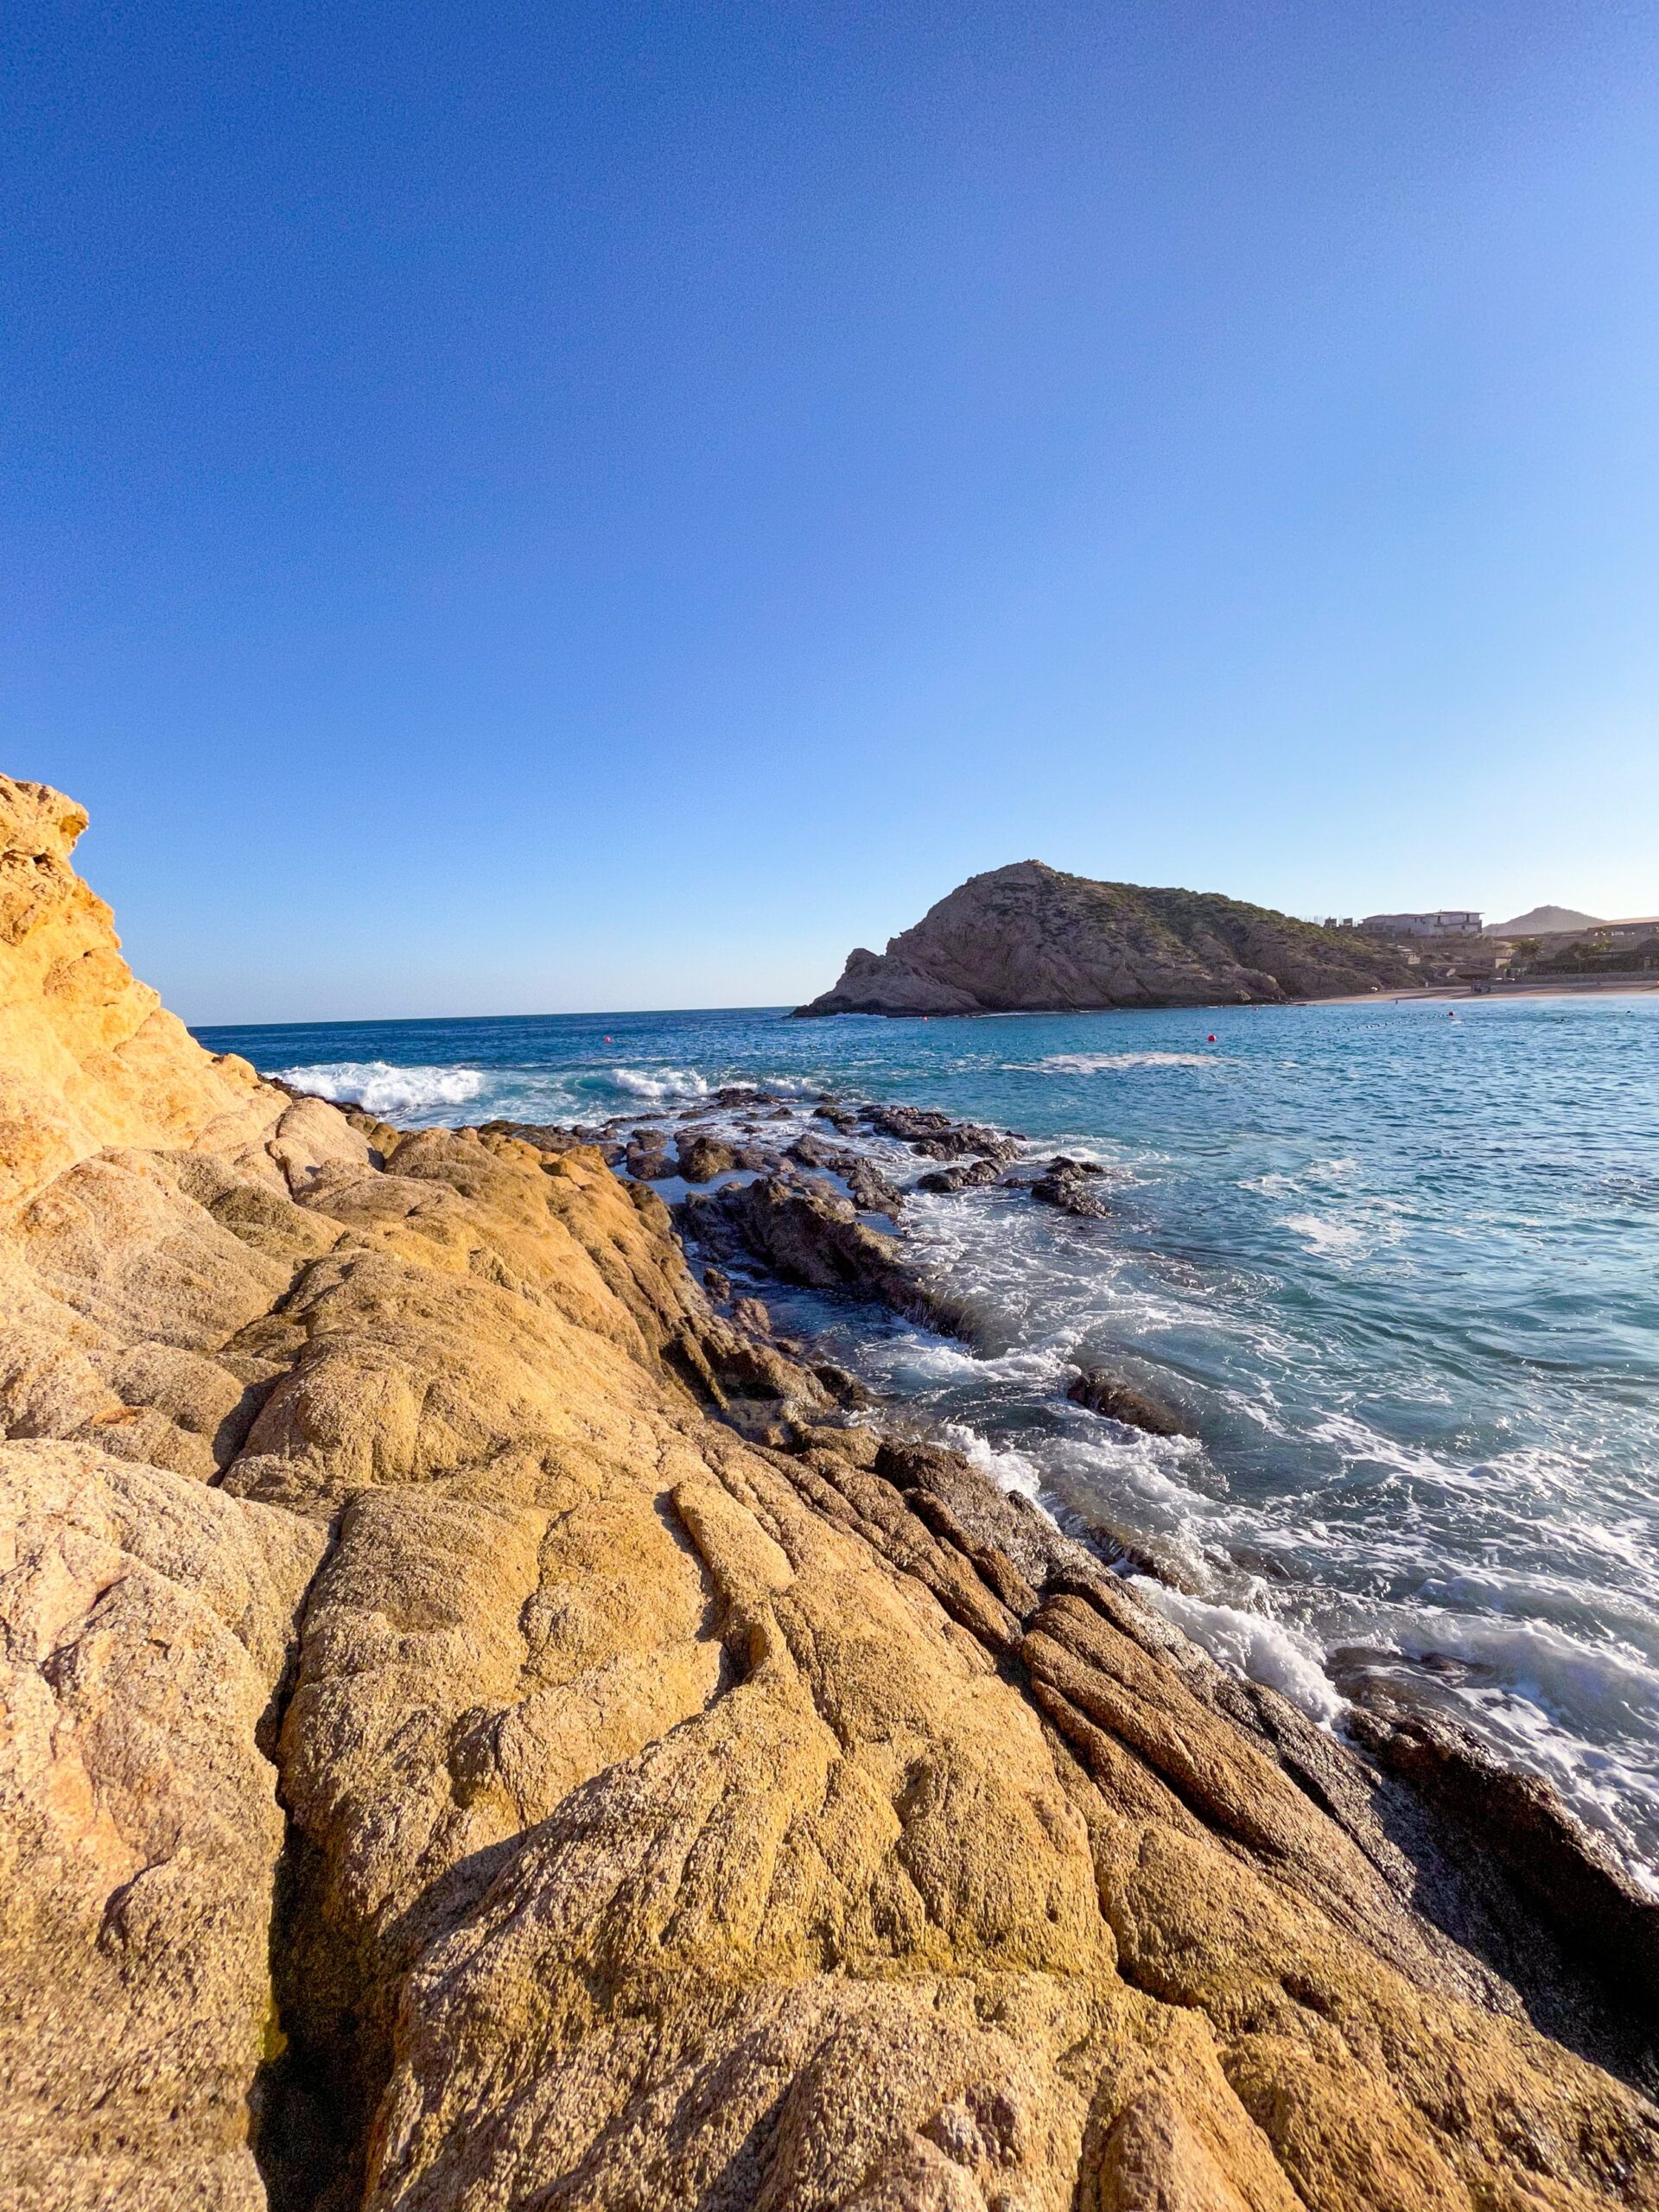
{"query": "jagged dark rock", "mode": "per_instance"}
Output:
(871, 1190)
(808, 1234)
(810, 1151)
(967, 1175)
(1567, 1873)
(1030, 938)
(647, 1157)
(1072, 1185)
(936, 1135)
(703, 1155)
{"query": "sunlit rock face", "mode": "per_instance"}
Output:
(1030, 939)
(445, 1763)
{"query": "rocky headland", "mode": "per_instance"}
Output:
(1029, 938)
(487, 1727)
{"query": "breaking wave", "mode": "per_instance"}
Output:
(1250, 1644)
(657, 1083)
(380, 1088)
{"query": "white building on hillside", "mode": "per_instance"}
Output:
(1450, 921)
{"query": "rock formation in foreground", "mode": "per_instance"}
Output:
(445, 1764)
(1031, 939)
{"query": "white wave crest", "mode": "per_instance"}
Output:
(1098, 1063)
(660, 1082)
(1250, 1644)
(380, 1088)
(1008, 1469)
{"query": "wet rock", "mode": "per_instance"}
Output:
(843, 1118)
(935, 1135)
(872, 1191)
(810, 1151)
(968, 1175)
(1119, 1401)
(809, 1234)
(717, 1283)
(647, 1157)
(703, 1155)
(1069, 1184)
(1569, 1875)
(751, 1313)
(844, 1387)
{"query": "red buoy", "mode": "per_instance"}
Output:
(1212, 1036)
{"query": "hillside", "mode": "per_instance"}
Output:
(1543, 921)
(1028, 938)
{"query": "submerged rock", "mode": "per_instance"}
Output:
(1119, 1401)
(928, 1131)
(647, 1158)
(810, 1151)
(808, 1234)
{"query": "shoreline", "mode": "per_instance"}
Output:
(490, 1725)
(810, 1252)
(1590, 987)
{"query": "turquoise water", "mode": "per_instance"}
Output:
(1399, 1270)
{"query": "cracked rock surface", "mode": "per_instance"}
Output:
(481, 1732)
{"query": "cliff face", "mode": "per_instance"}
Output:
(444, 1765)
(1030, 939)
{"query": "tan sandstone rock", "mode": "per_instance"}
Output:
(446, 1766)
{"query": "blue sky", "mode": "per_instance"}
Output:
(520, 508)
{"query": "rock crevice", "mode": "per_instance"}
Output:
(634, 1783)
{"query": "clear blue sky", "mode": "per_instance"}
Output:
(518, 507)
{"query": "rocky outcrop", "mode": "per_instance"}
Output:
(703, 1156)
(966, 1175)
(1071, 1186)
(928, 1131)
(872, 1191)
(1031, 939)
(449, 1763)
(807, 1233)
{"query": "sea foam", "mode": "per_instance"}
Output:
(380, 1088)
(657, 1083)
(1099, 1063)
(1261, 1649)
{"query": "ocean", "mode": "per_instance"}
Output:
(1395, 1266)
